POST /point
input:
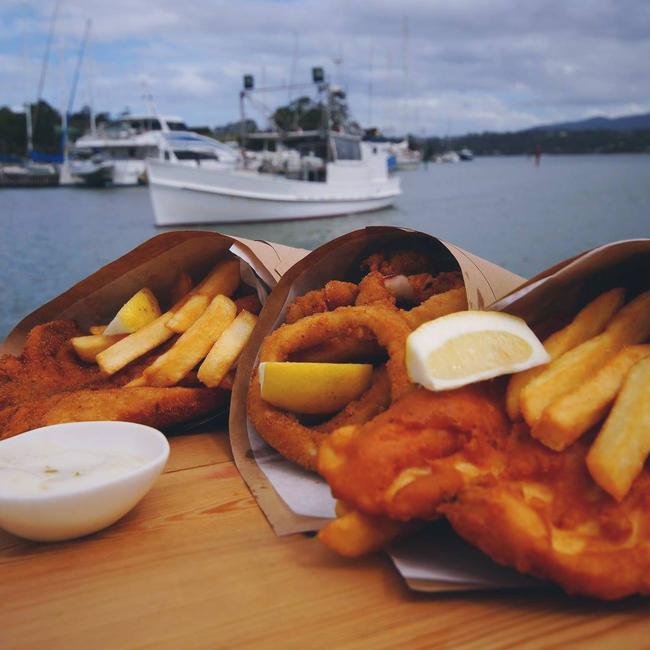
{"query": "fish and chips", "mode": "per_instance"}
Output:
(544, 471)
(145, 373)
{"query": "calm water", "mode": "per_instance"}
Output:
(504, 209)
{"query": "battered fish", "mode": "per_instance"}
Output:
(407, 461)
(48, 384)
(545, 516)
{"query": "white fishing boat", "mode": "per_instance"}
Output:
(117, 153)
(322, 173)
(355, 180)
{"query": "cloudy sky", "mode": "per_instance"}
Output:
(429, 66)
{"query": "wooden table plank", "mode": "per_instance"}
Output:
(197, 449)
(195, 565)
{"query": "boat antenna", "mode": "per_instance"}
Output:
(407, 82)
(148, 97)
(46, 58)
(294, 62)
(338, 62)
(370, 88)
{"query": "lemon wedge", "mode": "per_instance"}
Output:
(469, 346)
(313, 388)
(137, 312)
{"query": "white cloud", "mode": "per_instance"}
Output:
(472, 64)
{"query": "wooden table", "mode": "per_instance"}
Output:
(195, 565)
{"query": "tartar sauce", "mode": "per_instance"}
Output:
(46, 468)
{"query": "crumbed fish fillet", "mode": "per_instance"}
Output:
(156, 407)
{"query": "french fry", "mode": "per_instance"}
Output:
(181, 287)
(566, 419)
(188, 314)
(88, 347)
(589, 322)
(97, 330)
(135, 345)
(354, 534)
(619, 452)
(226, 349)
(192, 346)
(223, 279)
(630, 325)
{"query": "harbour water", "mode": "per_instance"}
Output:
(507, 210)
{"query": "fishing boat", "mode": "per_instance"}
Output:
(322, 173)
(117, 153)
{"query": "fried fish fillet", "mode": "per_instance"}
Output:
(157, 407)
(416, 455)
(545, 516)
(47, 365)
(48, 384)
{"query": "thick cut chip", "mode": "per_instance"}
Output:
(88, 347)
(631, 325)
(188, 314)
(315, 388)
(622, 446)
(135, 345)
(223, 280)
(566, 419)
(353, 534)
(589, 322)
(470, 346)
(226, 349)
(193, 345)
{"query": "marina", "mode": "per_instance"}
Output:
(498, 207)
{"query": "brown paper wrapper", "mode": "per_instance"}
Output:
(547, 301)
(485, 282)
(155, 264)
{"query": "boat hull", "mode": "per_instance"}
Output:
(223, 197)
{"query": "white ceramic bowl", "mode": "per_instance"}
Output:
(76, 510)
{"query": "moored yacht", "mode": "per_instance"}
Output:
(117, 154)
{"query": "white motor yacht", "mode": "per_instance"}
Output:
(117, 154)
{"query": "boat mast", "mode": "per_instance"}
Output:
(41, 81)
(75, 82)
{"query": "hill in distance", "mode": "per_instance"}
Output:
(626, 123)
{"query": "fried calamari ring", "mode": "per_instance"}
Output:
(334, 294)
(283, 430)
(453, 298)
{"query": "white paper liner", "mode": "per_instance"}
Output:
(305, 493)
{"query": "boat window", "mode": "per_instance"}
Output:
(153, 125)
(177, 126)
(346, 149)
(195, 155)
(166, 155)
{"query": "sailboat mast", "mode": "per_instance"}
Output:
(46, 58)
